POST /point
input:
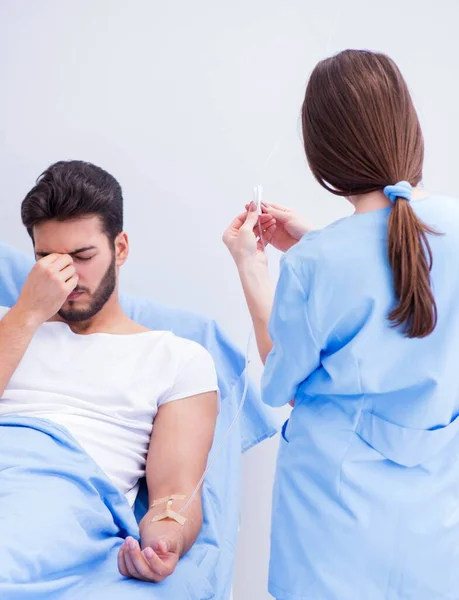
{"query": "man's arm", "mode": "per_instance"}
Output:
(180, 444)
(16, 332)
(182, 436)
(49, 283)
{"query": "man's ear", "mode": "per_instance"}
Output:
(121, 248)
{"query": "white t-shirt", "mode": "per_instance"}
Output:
(106, 390)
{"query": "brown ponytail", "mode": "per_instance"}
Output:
(361, 133)
(410, 257)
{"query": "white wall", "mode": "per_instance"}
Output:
(184, 102)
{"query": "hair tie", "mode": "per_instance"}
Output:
(402, 189)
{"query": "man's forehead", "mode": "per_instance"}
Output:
(86, 225)
(69, 236)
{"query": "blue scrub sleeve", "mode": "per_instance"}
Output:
(296, 353)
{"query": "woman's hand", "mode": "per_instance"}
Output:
(242, 237)
(242, 240)
(287, 226)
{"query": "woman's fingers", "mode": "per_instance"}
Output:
(238, 221)
(267, 235)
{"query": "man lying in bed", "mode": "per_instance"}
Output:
(70, 355)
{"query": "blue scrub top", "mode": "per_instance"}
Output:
(366, 497)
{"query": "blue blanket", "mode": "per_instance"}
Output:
(62, 522)
(212, 556)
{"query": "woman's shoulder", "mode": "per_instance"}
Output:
(350, 251)
(328, 243)
(438, 209)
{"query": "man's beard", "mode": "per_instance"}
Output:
(98, 301)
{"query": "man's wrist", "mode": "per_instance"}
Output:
(166, 529)
(24, 319)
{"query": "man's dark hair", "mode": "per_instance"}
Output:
(72, 189)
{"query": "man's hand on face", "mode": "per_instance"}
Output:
(158, 553)
(47, 287)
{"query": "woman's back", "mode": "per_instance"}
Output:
(371, 451)
(351, 296)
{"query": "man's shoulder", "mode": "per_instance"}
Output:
(170, 342)
(184, 345)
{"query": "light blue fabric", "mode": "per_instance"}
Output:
(214, 552)
(402, 190)
(62, 522)
(366, 498)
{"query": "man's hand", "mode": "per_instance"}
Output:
(46, 288)
(160, 550)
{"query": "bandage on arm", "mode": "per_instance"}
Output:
(181, 439)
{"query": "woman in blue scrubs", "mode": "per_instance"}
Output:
(363, 340)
